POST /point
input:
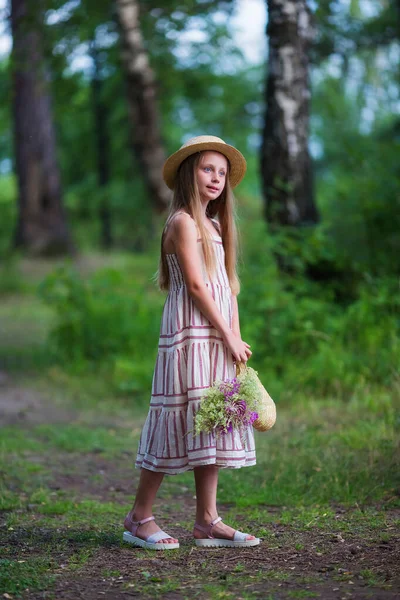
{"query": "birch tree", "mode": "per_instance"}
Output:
(286, 168)
(143, 110)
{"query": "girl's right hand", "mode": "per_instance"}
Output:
(240, 350)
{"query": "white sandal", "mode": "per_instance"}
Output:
(152, 541)
(239, 539)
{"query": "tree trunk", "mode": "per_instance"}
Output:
(144, 117)
(41, 226)
(285, 160)
(103, 150)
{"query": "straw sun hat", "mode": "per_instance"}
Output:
(201, 143)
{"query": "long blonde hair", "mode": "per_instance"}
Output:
(187, 197)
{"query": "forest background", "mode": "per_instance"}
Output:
(329, 320)
(319, 303)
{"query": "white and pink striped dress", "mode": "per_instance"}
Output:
(191, 356)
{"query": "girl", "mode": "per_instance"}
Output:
(199, 342)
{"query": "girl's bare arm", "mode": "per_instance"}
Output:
(235, 316)
(187, 250)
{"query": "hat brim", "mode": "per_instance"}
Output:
(237, 162)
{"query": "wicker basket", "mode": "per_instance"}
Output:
(267, 409)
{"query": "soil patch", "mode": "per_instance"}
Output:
(356, 568)
(22, 406)
(325, 565)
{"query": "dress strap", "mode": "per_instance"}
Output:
(216, 225)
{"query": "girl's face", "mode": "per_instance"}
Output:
(211, 174)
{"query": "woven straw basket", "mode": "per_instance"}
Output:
(267, 409)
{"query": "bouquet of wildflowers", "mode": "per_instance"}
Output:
(228, 405)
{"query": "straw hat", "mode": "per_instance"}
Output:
(201, 143)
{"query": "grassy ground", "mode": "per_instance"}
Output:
(324, 496)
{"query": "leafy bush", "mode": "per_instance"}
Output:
(302, 337)
(8, 210)
(11, 280)
(306, 335)
(103, 319)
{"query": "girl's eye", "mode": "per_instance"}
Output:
(221, 173)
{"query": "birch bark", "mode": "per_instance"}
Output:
(286, 168)
(144, 115)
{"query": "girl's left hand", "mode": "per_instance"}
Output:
(240, 350)
(248, 351)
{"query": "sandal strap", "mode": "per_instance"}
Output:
(209, 527)
(143, 521)
(239, 536)
(137, 524)
(156, 537)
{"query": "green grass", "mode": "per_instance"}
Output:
(323, 451)
(17, 576)
(343, 453)
(79, 438)
(80, 558)
(70, 437)
(371, 578)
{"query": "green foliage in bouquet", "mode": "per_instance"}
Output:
(228, 405)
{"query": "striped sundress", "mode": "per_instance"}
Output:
(191, 356)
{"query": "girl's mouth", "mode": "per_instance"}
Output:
(213, 189)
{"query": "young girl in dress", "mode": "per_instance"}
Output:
(199, 343)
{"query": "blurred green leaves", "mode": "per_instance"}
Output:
(105, 319)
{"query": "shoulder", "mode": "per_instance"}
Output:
(184, 226)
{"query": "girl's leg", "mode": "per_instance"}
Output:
(142, 508)
(206, 480)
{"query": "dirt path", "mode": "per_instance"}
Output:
(20, 405)
(88, 560)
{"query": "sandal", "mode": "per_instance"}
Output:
(239, 539)
(152, 541)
